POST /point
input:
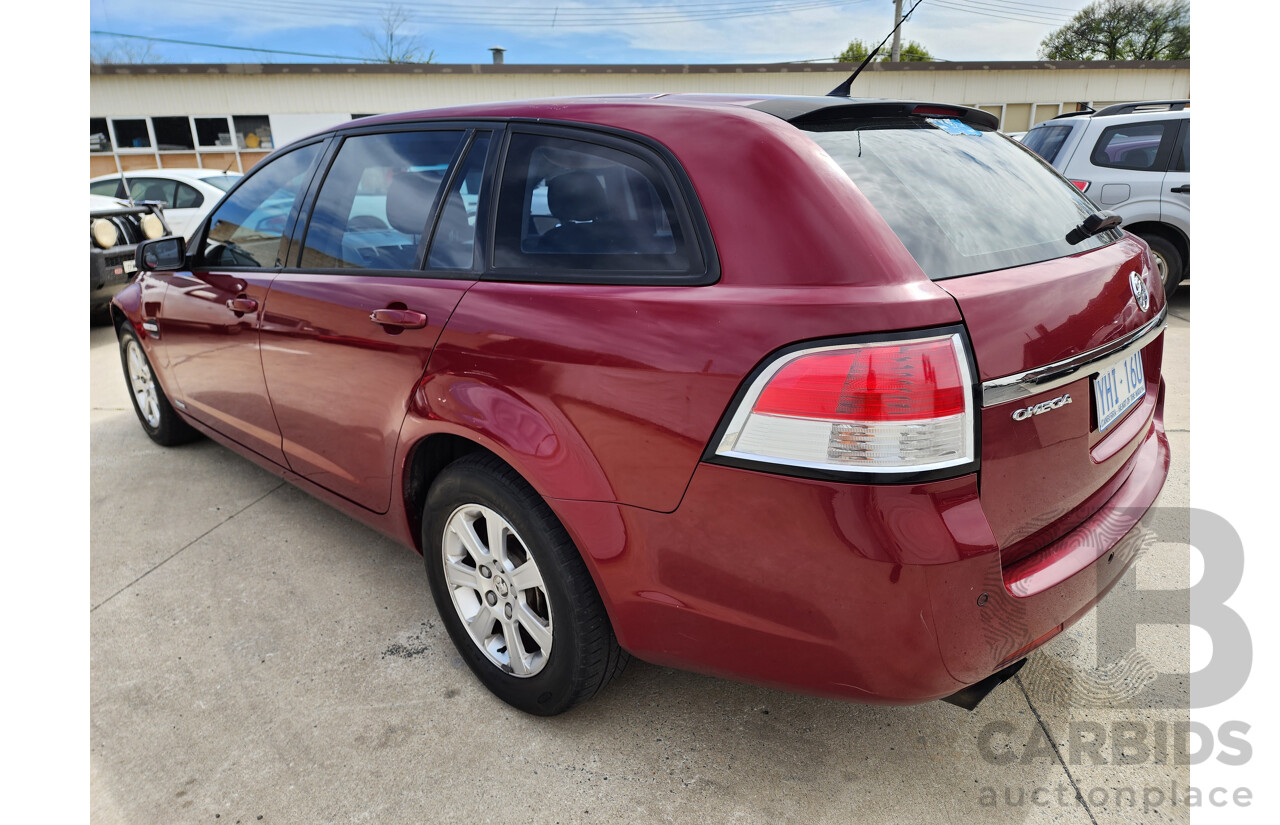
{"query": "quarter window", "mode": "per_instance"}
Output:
(572, 206)
(373, 206)
(1133, 145)
(246, 229)
(453, 244)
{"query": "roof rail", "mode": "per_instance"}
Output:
(1087, 110)
(1145, 106)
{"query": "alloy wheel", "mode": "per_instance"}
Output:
(497, 590)
(143, 384)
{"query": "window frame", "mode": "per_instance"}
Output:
(199, 238)
(1163, 150)
(684, 199)
(293, 255)
(1182, 142)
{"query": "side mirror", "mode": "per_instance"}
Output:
(161, 254)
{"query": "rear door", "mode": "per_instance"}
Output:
(351, 322)
(1125, 166)
(1175, 199)
(988, 222)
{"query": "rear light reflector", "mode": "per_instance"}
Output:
(1082, 185)
(879, 407)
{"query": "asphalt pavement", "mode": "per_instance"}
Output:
(258, 657)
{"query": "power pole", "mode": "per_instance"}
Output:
(896, 54)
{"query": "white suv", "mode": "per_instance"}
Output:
(1133, 159)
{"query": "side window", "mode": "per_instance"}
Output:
(1133, 145)
(187, 197)
(110, 188)
(152, 189)
(375, 201)
(1181, 160)
(572, 205)
(246, 229)
(454, 241)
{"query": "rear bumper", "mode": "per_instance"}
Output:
(869, 593)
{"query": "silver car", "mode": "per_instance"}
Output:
(1133, 159)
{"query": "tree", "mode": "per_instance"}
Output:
(390, 45)
(123, 51)
(1123, 30)
(857, 51)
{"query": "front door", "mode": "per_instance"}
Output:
(351, 323)
(212, 313)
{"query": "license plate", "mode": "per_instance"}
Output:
(130, 266)
(1118, 389)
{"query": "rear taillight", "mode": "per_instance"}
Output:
(880, 407)
(1082, 185)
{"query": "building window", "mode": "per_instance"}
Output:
(132, 134)
(253, 131)
(213, 132)
(99, 138)
(173, 133)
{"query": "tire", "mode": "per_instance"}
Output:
(155, 414)
(1169, 261)
(565, 651)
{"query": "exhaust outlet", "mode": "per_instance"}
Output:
(968, 698)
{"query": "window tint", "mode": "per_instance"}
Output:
(375, 201)
(1046, 141)
(246, 228)
(1131, 146)
(1181, 161)
(961, 201)
(152, 189)
(572, 205)
(223, 182)
(187, 197)
(453, 244)
(110, 188)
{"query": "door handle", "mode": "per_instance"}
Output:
(242, 305)
(406, 318)
(1184, 189)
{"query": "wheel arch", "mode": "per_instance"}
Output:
(1170, 233)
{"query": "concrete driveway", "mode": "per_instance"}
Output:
(256, 656)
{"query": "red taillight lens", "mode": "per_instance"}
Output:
(935, 111)
(884, 383)
(1082, 185)
(879, 407)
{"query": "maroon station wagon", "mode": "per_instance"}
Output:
(851, 397)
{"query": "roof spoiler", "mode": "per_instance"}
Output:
(833, 114)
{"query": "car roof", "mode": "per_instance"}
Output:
(599, 109)
(169, 172)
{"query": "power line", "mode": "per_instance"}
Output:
(970, 10)
(558, 17)
(988, 6)
(220, 46)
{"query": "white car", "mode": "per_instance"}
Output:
(187, 194)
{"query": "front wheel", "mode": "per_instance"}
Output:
(156, 415)
(513, 591)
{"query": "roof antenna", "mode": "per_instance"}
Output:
(843, 89)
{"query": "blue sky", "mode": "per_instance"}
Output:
(576, 31)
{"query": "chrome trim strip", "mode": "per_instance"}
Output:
(1060, 373)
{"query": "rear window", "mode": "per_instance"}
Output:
(962, 201)
(223, 182)
(1046, 141)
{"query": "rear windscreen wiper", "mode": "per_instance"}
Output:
(1099, 221)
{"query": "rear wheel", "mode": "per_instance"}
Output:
(1168, 261)
(155, 413)
(513, 591)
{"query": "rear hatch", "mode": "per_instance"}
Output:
(1066, 336)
